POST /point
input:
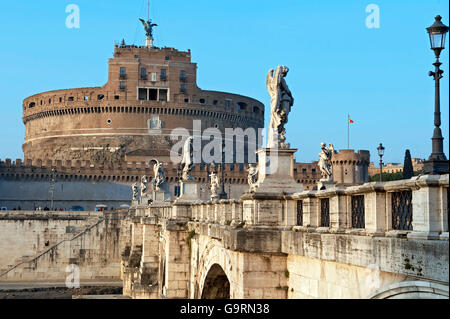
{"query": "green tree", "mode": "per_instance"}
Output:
(407, 166)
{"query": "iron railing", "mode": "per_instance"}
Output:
(299, 213)
(358, 213)
(402, 210)
(325, 212)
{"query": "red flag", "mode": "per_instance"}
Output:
(350, 120)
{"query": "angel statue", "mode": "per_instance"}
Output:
(187, 161)
(134, 188)
(281, 101)
(325, 161)
(148, 27)
(214, 184)
(159, 173)
(144, 185)
(252, 177)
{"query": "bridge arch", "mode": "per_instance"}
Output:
(412, 290)
(216, 285)
(212, 257)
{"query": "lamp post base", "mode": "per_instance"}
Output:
(433, 167)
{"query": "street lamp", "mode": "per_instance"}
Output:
(437, 162)
(380, 154)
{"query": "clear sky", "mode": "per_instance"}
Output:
(337, 64)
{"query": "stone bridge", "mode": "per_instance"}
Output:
(376, 240)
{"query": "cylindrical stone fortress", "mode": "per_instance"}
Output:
(150, 91)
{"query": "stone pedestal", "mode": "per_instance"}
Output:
(276, 171)
(148, 42)
(145, 200)
(326, 184)
(189, 190)
(158, 196)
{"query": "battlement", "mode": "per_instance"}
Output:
(128, 172)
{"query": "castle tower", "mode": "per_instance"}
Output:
(350, 168)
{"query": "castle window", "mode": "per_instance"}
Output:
(313, 170)
(255, 109)
(32, 104)
(182, 88)
(163, 75)
(86, 98)
(153, 94)
(186, 100)
(60, 99)
(163, 94)
(41, 102)
(108, 121)
(183, 76)
(202, 101)
(228, 103)
(123, 72)
(143, 74)
(116, 97)
(153, 76)
(70, 99)
(123, 85)
(304, 170)
(215, 102)
(216, 125)
(142, 94)
(100, 97)
(167, 58)
(49, 101)
(242, 106)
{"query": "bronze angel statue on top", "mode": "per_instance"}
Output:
(148, 27)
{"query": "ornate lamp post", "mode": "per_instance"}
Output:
(380, 154)
(437, 162)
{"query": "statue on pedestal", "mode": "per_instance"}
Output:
(325, 161)
(159, 173)
(252, 177)
(134, 188)
(144, 185)
(214, 184)
(281, 101)
(187, 161)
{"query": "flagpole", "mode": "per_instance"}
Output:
(348, 131)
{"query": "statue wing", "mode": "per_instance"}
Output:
(269, 79)
(143, 22)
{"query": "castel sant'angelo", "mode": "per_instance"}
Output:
(112, 132)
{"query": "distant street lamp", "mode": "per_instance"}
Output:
(437, 162)
(380, 154)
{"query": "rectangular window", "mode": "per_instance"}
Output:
(176, 191)
(143, 73)
(182, 76)
(123, 71)
(153, 77)
(228, 103)
(163, 75)
(122, 86)
(163, 95)
(143, 94)
(153, 94)
(183, 88)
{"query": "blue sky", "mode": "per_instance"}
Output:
(337, 64)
